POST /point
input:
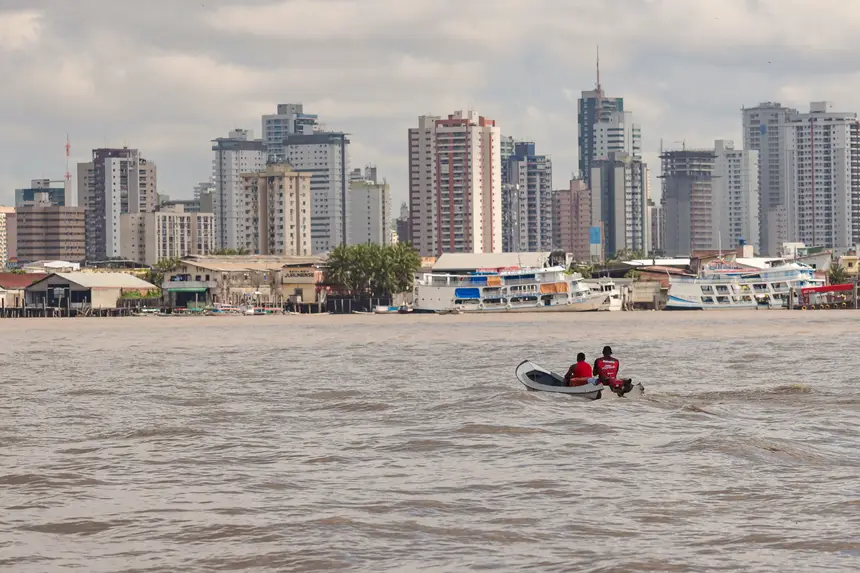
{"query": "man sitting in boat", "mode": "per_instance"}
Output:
(580, 373)
(606, 368)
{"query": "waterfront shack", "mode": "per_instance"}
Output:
(82, 293)
(12, 287)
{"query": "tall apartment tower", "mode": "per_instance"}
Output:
(422, 185)
(823, 206)
(764, 130)
(370, 213)
(619, 204)
(115, 182)
(289, 119)
(278, 202)
(235, 154)
(325, 155)
(455, 184)
(658, 227)
(616, 133)
(170, 232)
(735, 215)
(526, 201)
(572, 220)
(687, 200)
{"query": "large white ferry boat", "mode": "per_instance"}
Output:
(549, 289)
(724, 285)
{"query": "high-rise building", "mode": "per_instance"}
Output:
(764, 130)
(50, 232)
(167, 233)
(115, 182)
(235, 154)
(369, 210)
(616, 133)
(404, 234)
(41, 187)
(8, 235)
(526, 201)
(422, 185)
(455, 184)
(736, 196)
(596, 107)
(278, 203)
(687, 200)
(658, 228)
(325, 155)
(506, 147)
(290, 119)
(619, 204)
(823, 206)
(572, 220)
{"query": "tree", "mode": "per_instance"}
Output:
(837, 275)
(633, 274)
(372, 269)
(585, 270)
(161, 268)
(230, 252)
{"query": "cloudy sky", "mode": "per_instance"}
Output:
(167, 76)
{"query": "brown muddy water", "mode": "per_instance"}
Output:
(404, 443)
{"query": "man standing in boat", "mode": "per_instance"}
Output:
(606, 368)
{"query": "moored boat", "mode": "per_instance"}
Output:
(550, 289)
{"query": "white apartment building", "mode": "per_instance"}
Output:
(8, 235)
(278, 207)
(455, 178)
(735, 216)
(235, 154)
(764, 130)
(823, 147)
(203, 188)
(370, 213)
(527, 218)
(290, 119)
(325, 155)
(114, 183)
(169, 233)
(616, 133)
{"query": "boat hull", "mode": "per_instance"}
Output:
(591, 304)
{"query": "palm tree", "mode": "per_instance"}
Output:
(837, 275)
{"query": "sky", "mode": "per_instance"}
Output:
(168, 76)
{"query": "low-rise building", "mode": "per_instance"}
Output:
(276, 280)
(12, 287)
(83, 291)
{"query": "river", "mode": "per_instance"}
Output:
(404, 443)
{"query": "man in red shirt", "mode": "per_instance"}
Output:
(606, 368)
(580, 373)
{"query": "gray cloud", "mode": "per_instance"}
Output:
(167, 76)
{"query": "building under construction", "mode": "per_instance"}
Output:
(688, 196)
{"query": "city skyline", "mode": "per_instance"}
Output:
(184, 56)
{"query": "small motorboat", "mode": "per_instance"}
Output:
(539, 379)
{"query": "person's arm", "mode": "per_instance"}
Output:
(569, 375)
(595, 371)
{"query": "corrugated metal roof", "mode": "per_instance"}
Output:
(675, 262)
(104, 280)
(472, 261)
(15, 281)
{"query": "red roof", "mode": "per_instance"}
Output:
(14, 281)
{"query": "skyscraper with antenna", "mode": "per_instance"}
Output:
(594, 106)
